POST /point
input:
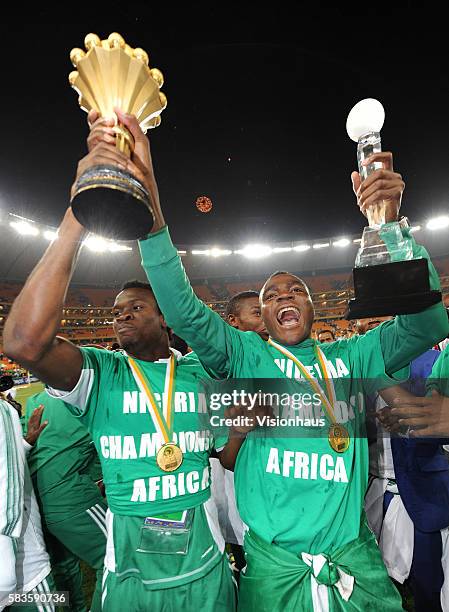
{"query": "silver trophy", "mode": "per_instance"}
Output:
(387, 279)
(381, 243)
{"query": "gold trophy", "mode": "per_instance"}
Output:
(107, 200)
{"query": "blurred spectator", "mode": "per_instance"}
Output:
(326, 335)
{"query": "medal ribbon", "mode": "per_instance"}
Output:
(163, 421)
(313, 381)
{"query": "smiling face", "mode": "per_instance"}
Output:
(137, 322)
(287, 309)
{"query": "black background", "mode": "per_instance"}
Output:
(257, 103)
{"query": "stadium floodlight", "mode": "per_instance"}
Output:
(321, 245)
(438, 223)
(96, 244)
(198, 252)
(255, 251)
(282, 249)
(25, 228)
(50, 235)
(182, 252)
(299, 248)
(342, 242)
(357, 240)
(415, 228)
(216, 252)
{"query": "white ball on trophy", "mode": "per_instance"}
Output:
(367, 116)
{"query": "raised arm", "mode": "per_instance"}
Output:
(217, 344)
(30, 331)
(407, 336)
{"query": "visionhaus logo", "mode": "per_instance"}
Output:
(255, 419)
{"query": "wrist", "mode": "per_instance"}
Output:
(391, 216)
(71, 228)
(159, 222)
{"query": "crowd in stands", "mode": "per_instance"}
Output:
(88, 312)
(87, 316)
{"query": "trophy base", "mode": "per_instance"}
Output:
(395, 288)
(112, 203)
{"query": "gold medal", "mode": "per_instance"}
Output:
(169, 457)
(339, 438)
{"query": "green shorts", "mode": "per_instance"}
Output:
(214, 592)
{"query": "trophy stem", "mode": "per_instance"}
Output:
(124, 140)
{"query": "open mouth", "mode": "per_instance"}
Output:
(288, 316)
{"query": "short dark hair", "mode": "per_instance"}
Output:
(279, 272)
(233, 306)
(137, 284)
(6, 383)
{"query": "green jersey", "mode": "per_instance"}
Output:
(116, 411)
(295, 491)
(63, 448)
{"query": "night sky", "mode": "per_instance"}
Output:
(257, 106)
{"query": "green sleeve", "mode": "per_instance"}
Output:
(408, 336)
(217, 344)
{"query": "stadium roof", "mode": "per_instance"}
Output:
(23, 243)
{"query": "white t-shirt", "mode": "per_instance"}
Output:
(24, 560)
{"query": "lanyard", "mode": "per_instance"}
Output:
(163, 421)
(329, 399)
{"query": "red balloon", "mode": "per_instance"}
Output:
(204, 204)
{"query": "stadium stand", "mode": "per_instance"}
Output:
(87, 317)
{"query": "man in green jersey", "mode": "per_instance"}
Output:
(64, 468)
(308, 546)
(143, 411)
